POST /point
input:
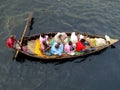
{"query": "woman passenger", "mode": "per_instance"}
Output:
(45, 48)
(43, 37)
(79, 46)
(57, 49)
(61, 37)
(74, 38)
(69, 48)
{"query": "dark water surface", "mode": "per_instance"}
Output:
(96, 72)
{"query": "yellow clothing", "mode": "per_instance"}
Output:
(37, 48)
(93, 42)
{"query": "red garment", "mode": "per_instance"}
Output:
(10, 43)
(79, 46)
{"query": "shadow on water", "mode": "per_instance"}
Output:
(112, 46)
(31, 25)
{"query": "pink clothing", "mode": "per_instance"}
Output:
(67, 49)
(43, 39)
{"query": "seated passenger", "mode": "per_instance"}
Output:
(107, 38)
(57, 49)
(69, 48)
(81, 36)
(87, 39)
(79, 46)
(74, 38)
(45, 48)
(43, 37)
(51, 39)
(87, 45)
(100, 42)
(61, 37)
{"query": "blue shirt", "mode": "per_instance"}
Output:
(55, 50)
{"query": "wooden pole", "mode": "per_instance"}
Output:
(23, 34)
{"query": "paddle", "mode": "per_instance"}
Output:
(22, 36)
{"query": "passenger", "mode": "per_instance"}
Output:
(12, 42)
(51, 39)
(43, 37)
(61, 37)
(107, 38)
(96, 42)
(87, 39)
(69, 48)
(57, 49)
(100, 42)
(45, 48)
(81, 36)
(74, 38)
(93, 42)
(79, 46)
(87, 45)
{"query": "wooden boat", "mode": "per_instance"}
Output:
(32, 44)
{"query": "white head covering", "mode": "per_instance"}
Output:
(81, 37)
(74, 38)
(107, 38)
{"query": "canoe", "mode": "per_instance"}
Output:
(32, 43)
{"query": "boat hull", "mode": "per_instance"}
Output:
(35, 57)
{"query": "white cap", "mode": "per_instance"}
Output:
(81, 37)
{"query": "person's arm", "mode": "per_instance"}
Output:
(48, 48)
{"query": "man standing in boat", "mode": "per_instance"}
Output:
(12, 42)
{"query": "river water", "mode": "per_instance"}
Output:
(96, 72)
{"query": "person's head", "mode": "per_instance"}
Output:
(70, 43)
(57, 45)
(13, 36)
(50, 35)
(85, 36)
(60, 36)
(43, 35)
(82, 40)
(45, 43)
(76, 33)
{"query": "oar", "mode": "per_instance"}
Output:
(21, 39)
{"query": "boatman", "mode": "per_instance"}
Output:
(12, 42)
